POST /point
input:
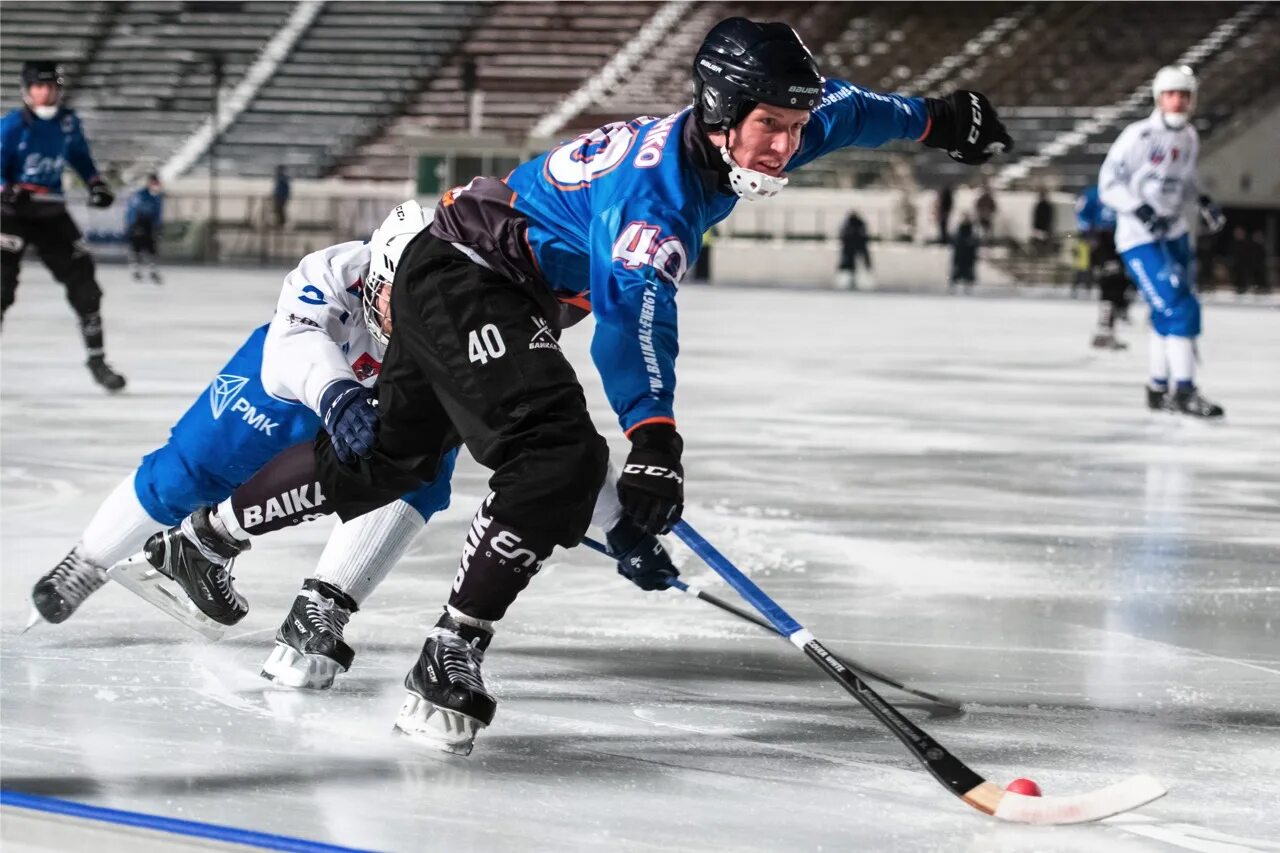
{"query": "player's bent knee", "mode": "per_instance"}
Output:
(169, 488)
(434, 496)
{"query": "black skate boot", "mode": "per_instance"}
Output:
(57, 595)
(1189, 402)
(198, 559)
(1158, 399)
(104, 375)
(1106, 339)
(309, 648)
(448, 702)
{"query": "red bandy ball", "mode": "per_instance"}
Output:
(1026, 787)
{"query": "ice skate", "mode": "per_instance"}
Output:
(162, 592)
(137, 275)
(155, 277)
(104, 375)
(1158, 399)
(310, 651)
(198, 559)
(57, 595)
(1189, 402)
(448, 703)
(1108, 341)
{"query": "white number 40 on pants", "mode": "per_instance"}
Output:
(485, 344)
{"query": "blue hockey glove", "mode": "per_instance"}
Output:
(350, 418)
(641, 557)
(1157, 225)
(1211, 215)
(100, 195)
(651, 487)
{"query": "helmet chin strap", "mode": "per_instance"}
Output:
(45, 112)
(748, 183)
(1173, 121)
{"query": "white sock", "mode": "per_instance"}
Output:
(608, 510)
(361, 552)
(1157, 361)
(459, 616)
(119, 528)
(1182, 358)
(227, 516)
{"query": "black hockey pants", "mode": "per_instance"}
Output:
(61, 247)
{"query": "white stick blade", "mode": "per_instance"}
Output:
(1132, 793)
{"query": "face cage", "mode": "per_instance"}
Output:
(373, 319)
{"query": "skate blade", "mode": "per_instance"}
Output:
(309, 672)
(437, 727)
(33, 620)
(143, 580)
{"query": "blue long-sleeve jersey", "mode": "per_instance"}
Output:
(616, 218)
(34, 151)
(1091, 213)
(145, 207)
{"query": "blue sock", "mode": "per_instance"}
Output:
(1186, 385)
(1159, 384)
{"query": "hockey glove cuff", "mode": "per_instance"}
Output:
(641, 557)
(350, 418)
(651, 487)
(966, 125)
(100, 195)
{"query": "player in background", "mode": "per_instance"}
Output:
(608, 223)
(1149, 178)
(1096, 224)
(37, 141)
(143, 221)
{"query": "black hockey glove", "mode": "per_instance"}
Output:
(1157, 225)
(966, 125)
(350, 418)
(651, 488)
(100, 195)
(1211, 215)
(641, 557)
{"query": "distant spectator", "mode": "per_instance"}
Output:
(143, 221)
(1042, 232)
(1249, 262)
(985, 211)
(1206, 262)
(280, 194)
(964, 256)
(853, 245)
(942, 212)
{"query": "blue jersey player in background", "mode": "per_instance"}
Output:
(37, 141)
(143, 222)
(608, 224)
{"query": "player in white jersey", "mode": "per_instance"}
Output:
(1149, 179)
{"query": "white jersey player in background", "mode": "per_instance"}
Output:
(309, 368)
(1149, 178)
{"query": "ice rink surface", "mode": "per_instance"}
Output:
(953, 490)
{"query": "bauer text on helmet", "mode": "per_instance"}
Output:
(754, 85)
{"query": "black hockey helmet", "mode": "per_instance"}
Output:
(41, 71)
(742, 63)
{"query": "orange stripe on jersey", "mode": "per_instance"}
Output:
(648, 421)
(928, 126)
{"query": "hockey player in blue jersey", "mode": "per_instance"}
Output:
(1149, 178)
(607, 223)
(37, 141)
(1096, 224)
(143, 221)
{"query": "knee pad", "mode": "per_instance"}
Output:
(1184, 319)
(170, 488)
(434, 496)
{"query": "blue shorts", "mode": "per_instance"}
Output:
(231, 431)
(1164, 273)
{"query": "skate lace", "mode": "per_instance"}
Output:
(459, 660)
(325, 615)
(76, 579)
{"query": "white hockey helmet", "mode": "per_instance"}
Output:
(1174, 78)
(385, 247)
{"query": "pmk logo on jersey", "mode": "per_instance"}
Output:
(544, 337)
(224, 389)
